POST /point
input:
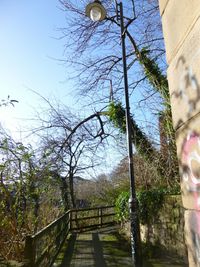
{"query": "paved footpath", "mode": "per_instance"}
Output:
(99, 248)
(103, 248)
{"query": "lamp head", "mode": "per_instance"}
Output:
(95, 11)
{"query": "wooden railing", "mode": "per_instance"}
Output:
(92, 217)
(42, 248)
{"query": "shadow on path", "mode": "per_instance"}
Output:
(98, 248)
(105, 248)
(65, 256)
(98, 251)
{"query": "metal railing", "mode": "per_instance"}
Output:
(42, 249)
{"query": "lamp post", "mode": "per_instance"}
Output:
(97, 12)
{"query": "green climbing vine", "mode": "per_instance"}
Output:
(144, 146)
(149, 204)
(154, 75)
(160, 84)
(116, 114)
(121, 206)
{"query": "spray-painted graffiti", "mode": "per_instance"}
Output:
(191, 179)
(194, 235)
(187, 79)
(197, 244)
(191, 165)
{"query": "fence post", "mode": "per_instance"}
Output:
(100, 216)
(29, 252)
(58, 234)
(70, 220)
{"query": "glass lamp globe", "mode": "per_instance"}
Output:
(95, 11)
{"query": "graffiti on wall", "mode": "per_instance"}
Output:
(191, 162)
(191, 180)
(187, 79)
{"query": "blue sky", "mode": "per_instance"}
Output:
(29, 47)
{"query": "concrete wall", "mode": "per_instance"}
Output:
(181, 28)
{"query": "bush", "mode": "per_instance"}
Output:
(122, 209)
(149, 204)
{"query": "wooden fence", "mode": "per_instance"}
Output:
(42, 248)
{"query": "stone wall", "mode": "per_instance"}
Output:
(167, 231)
(181, 28)
(168, 228)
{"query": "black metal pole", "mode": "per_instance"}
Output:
(134, 221)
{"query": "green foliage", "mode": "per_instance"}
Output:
(24, 208)
(160, 84)
(171, 191)
(121, 205)
(117, 116)
(154, 75)
(158, 160)
(149, 204)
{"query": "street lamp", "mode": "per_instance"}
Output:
(96, 12)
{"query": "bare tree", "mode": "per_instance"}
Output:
(71, 145)
(95, 48)
(95, 53)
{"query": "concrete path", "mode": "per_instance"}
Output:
(104, 248)
(99, 248)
